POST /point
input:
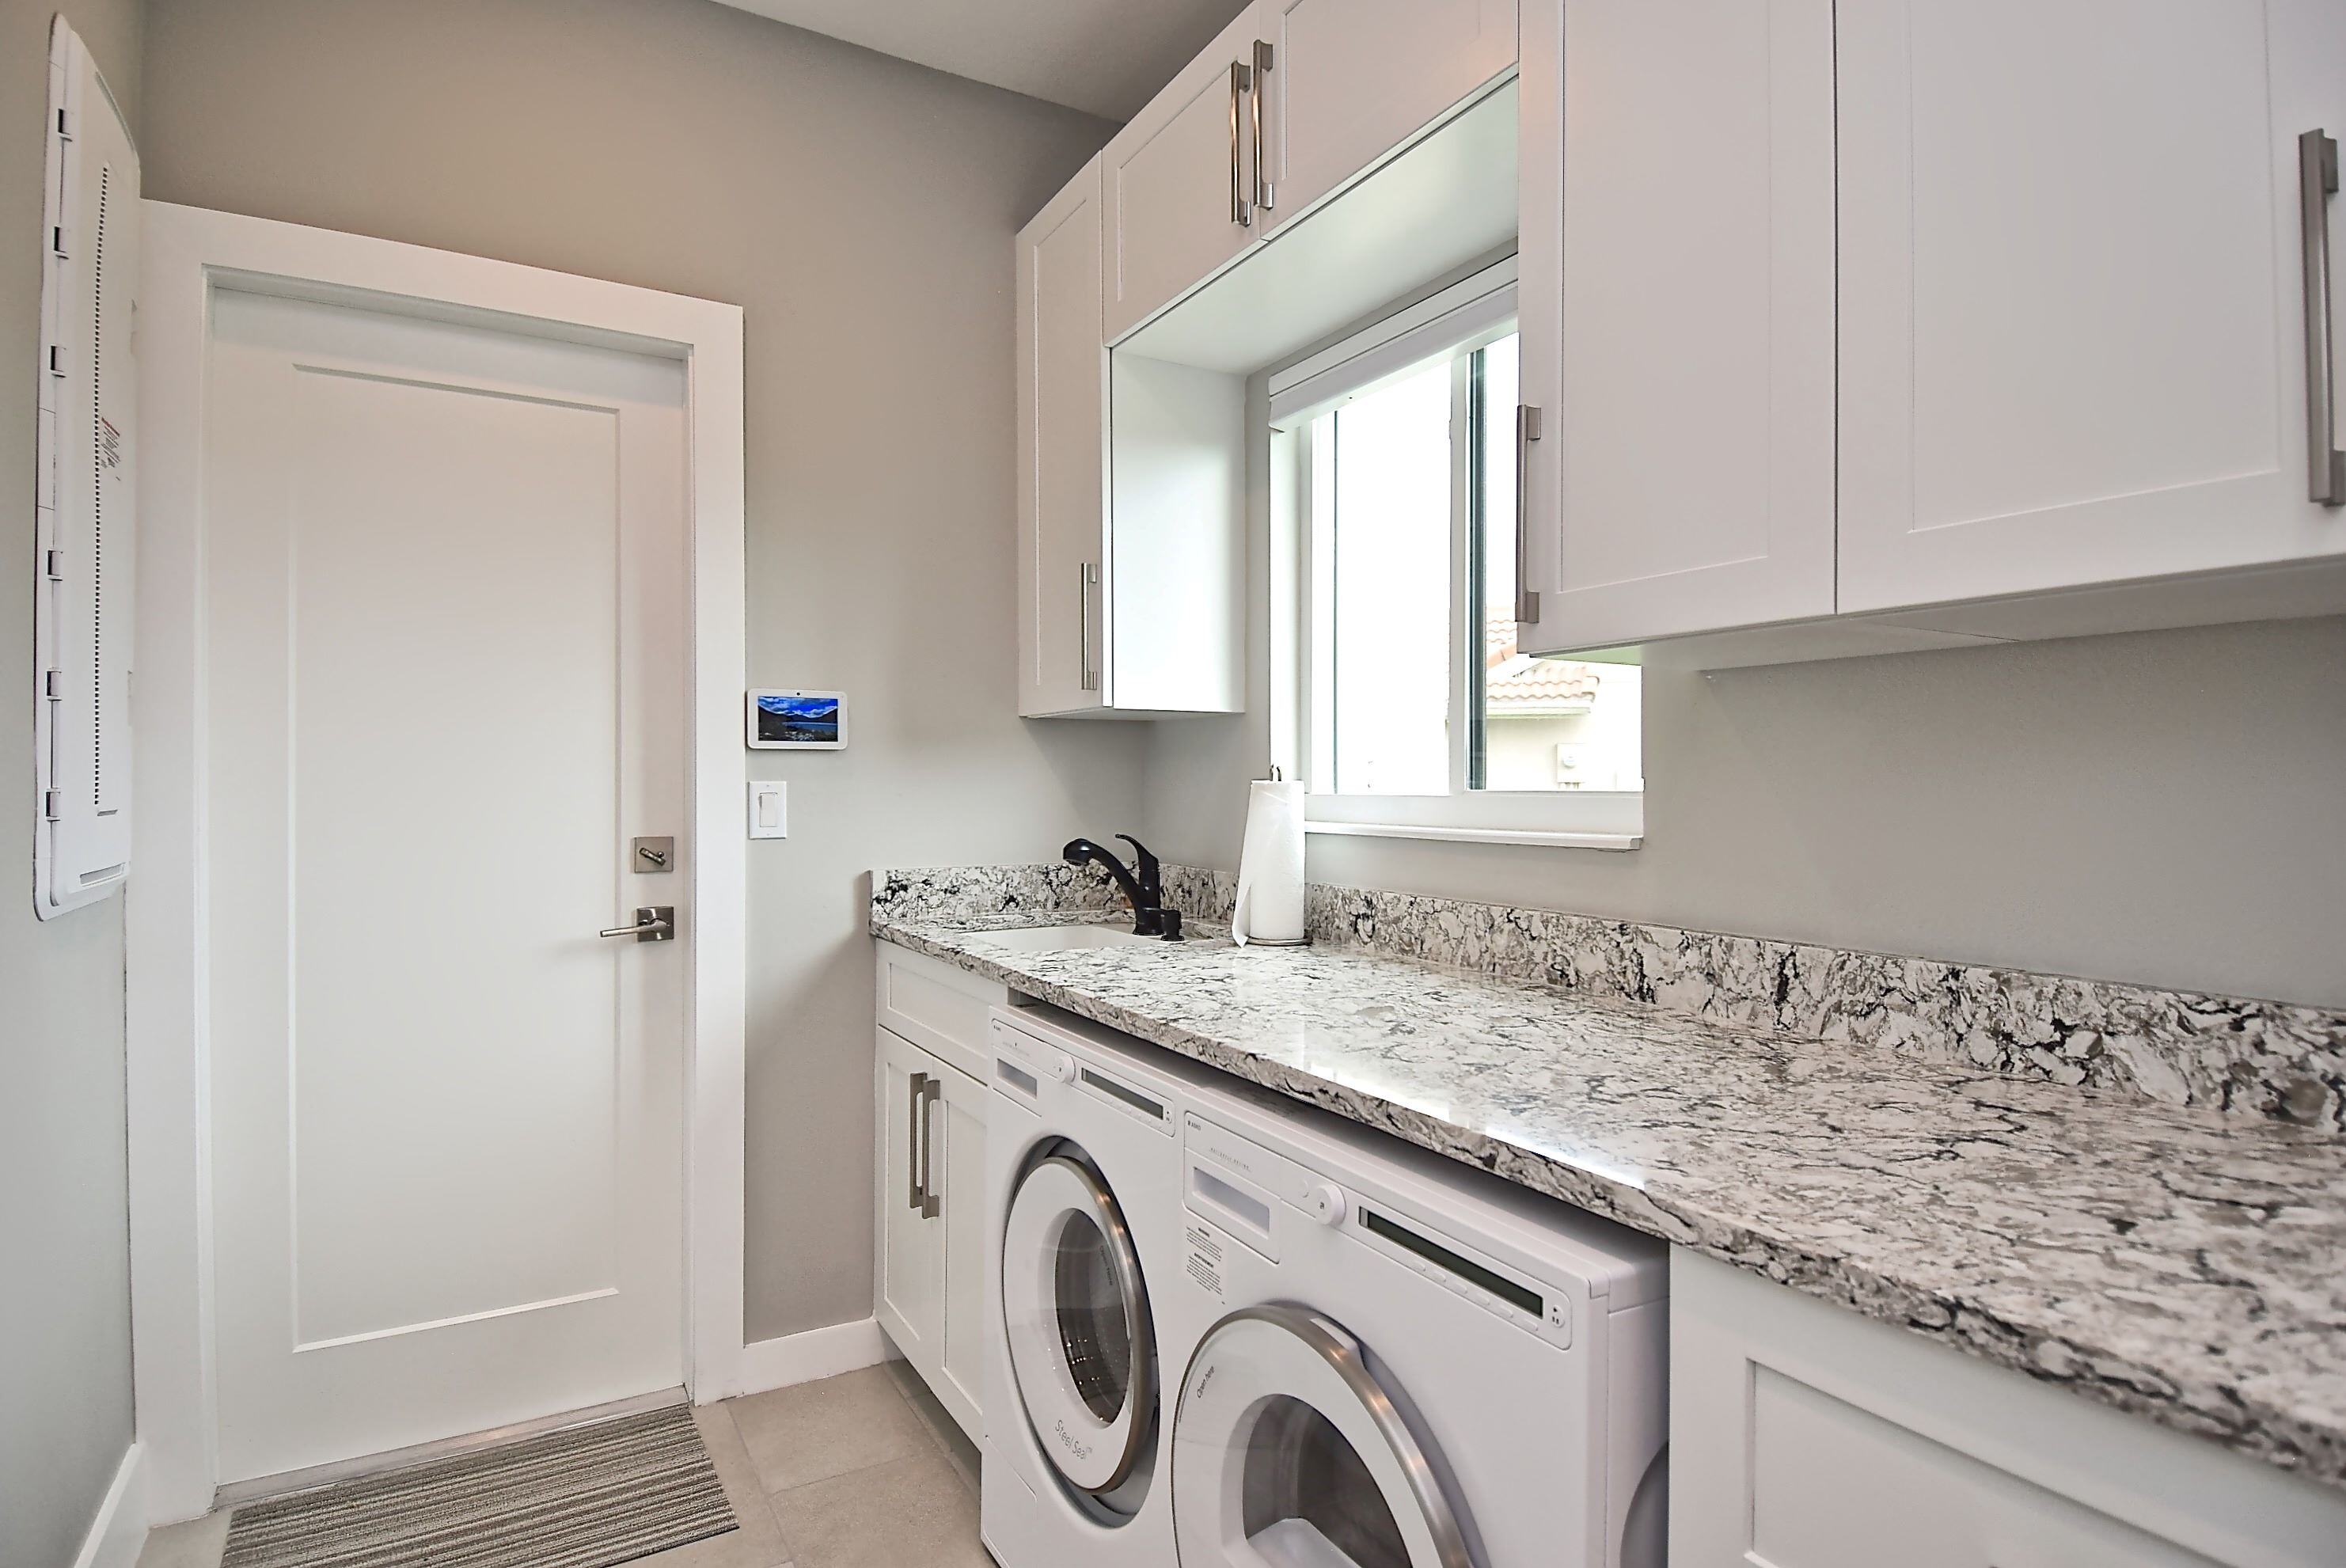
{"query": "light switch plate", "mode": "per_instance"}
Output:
(770, 812)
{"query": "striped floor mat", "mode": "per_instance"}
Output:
(587, 1497)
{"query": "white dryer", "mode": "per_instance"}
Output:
(1394, 1361)
(1083, 1157)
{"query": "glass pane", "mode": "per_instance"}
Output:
(1390, 543)
(1538, 724)
(1307, 1499)
(1090, 1307)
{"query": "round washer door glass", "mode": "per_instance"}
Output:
(1082, 1347)
(1287, 1453)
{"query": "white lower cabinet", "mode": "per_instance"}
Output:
(930, 1251)
(1805, 1436)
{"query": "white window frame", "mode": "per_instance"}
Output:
(1478, 311)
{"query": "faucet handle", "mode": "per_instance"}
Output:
(1144, 867)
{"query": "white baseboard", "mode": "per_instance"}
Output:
(817, 1353)
(119, 1531)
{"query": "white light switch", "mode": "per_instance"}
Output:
(769, 814)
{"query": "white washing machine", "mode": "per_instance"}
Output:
(1083, 1180)
(1396, 1361)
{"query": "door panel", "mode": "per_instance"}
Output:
(960, 1166)
(2072, 313)
(1062, 454)
(1353, 80)
(1168, 181)
(1677, 303)
(910, 1299)
(445, 590)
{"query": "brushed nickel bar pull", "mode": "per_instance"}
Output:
(1241, 210)
(2317, 182)
(932, 1089)
(1088, 577)
(915, 1081)
(1263, 58)
(1527, 599)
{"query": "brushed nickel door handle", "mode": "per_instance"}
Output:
(654, 922)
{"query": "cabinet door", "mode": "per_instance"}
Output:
(909, 1297)
(1062, 453)
(1353, 80)
(2072, 321)
(961, 1178)
(1177, 181)
(1677, 303)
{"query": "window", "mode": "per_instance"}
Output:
(1418, 715)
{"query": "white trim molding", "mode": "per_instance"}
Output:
(119, 1531)
(816, 1353)
(191, 254)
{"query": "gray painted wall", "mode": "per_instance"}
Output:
(2163, 808)
(65, 1231)
(861, 211)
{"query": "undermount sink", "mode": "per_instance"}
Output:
(1057, 937)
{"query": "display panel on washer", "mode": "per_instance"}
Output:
(1082, 1344)
(1288, 1451)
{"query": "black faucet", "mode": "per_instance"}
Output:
(1143, 885)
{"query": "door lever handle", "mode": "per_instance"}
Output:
(654, 922)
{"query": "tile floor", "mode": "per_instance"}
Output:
(862, 1471)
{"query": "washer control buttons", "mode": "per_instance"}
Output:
(1325, 1202)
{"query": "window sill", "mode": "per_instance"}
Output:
(1524, 836)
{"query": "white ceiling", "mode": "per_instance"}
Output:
(1106, 57)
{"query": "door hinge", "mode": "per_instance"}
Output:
(53, 686)
(57, 359)
(54, 564)
(57, 242)
(64, 125)
(52, 804)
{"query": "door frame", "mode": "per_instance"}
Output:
(190, 254)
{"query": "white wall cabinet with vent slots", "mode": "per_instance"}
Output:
(1805, 1436)
(85, 492)
(930, 1125)
(1131, 527)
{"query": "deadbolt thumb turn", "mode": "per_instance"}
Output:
(654, 922)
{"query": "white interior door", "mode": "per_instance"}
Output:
(445, 589)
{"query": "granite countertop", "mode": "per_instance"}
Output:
(2178, 1263)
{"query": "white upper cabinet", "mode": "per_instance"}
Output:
(1353, 80)
(1677, 307)
(1179, 181)
(2073, 259)
(1062, 453)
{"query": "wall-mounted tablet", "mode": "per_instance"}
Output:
(798, 720)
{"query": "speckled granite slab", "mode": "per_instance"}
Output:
(2258, 1058)
(2175, 1262)
(2179, 1048)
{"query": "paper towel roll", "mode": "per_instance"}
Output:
(1270, 867)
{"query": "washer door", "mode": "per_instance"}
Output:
(1082, 1347)
(1287, 1453)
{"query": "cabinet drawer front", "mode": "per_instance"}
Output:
(1353, 80)
(937, 1007)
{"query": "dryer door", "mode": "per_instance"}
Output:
(1287, 1453)
(1081, 1346)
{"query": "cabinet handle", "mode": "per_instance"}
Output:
(1241, 210)
(1263, 57)
(916, 1082)
(932, 1089)
(1087, 579)
(2317, 182)
(1527, 600)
